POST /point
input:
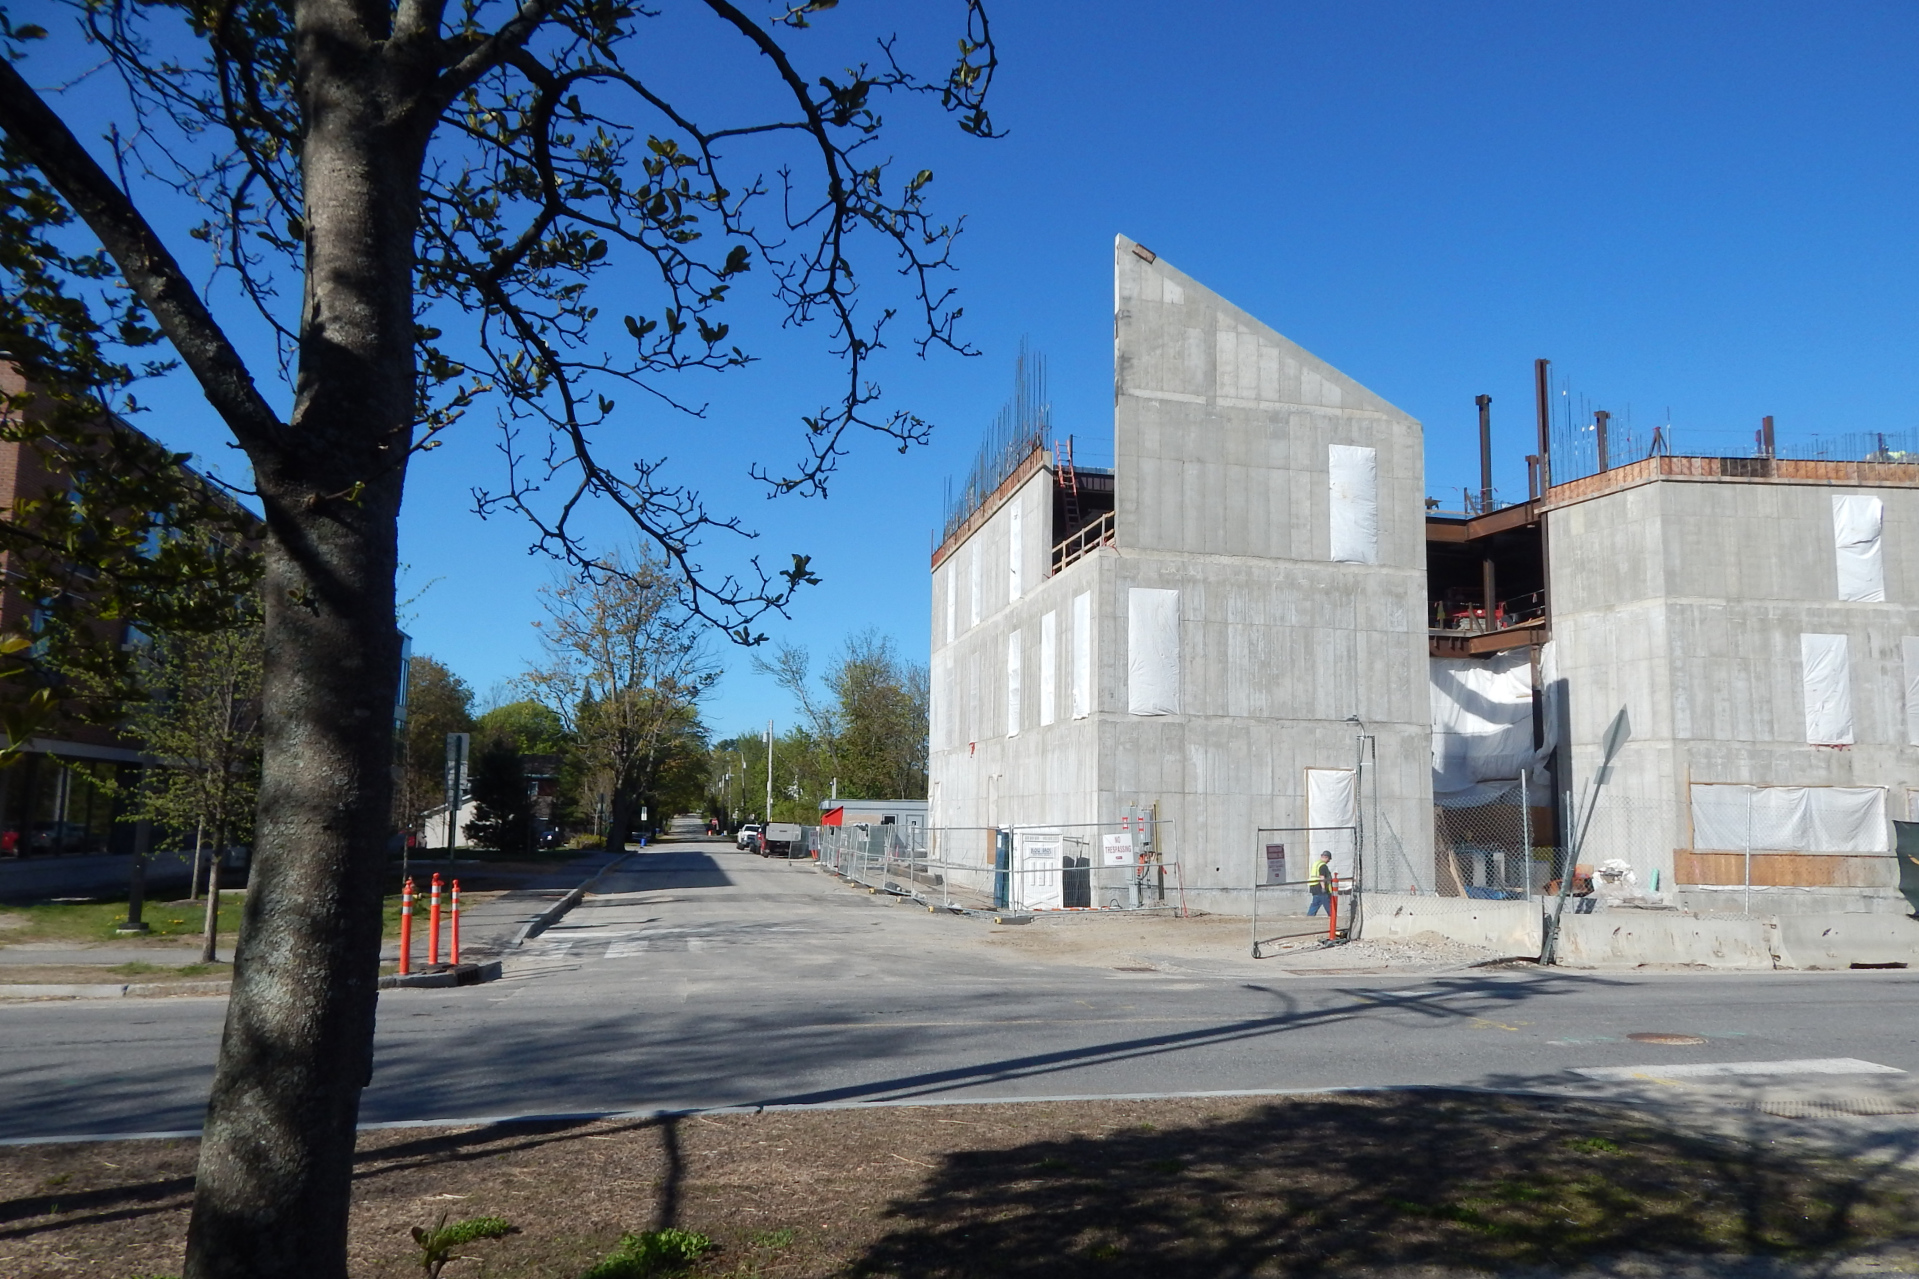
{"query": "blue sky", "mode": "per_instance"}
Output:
(1702, 213)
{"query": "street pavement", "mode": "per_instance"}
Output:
(699, 976)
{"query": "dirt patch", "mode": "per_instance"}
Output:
(1389, 1184)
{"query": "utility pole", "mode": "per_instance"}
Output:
(767, 816)
(456, 756)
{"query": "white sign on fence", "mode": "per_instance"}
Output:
(1116, 850)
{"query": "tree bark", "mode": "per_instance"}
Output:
(275, 1168)
(210, 934)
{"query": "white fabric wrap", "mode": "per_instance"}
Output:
(1910, 646)
(1332, 809)
(1827, 676)
(1354, 478)
(1015, 550)
(1482, 712)
(1082, 655)
(972, 564)
(1048, 666)
(1790, 819)
(1856, 522)
(1152, 651)
(1012, 684)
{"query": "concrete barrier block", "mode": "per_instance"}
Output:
(1511, 928)
(1840, 941)
(1628, 939)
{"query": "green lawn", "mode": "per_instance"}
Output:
(94, 921)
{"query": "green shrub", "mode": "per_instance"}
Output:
(650, 1253)
(437, 1244)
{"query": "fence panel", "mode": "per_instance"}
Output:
(1026, 869)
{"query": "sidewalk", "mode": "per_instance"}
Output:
(488, 927)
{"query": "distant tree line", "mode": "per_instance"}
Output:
(862, 733)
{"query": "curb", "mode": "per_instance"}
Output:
(110, 990)
(454, 975)
(551, 915)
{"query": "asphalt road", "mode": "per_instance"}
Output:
(704, 977)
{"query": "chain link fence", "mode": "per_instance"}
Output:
(1018, 869)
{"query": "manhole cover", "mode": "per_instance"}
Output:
(1665, 1037)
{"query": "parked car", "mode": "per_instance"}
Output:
(749, 836)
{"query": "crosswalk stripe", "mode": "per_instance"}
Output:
(1714, 1069)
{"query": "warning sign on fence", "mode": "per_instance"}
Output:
(1117, 850)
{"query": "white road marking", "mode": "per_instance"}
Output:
(1717, 1069)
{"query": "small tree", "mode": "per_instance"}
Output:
(438, 702)
(201, 722)
(502, 812)
(626, 664)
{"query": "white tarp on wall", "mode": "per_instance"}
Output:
(952, 600)
(1015, 549)
(1827, 678)
(1332, 809)
(1856, 521)
(1152, 651)
(1482, 712)
(1911, 647)
(1790, 819)
(972, 563)
(1082, 655)
(1048, 665)
(1354, 479)
(1012, 684)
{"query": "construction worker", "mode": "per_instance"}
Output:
(1322, 885)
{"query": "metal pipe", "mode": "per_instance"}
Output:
(1485, 452)
(1765, 435)
(1544, 397)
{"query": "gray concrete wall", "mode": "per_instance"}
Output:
(1684, 601)
(1222, 436)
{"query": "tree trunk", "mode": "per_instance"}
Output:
(275, 1169)
(193, 882)
(619, 820)
(210, 939)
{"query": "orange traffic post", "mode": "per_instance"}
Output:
(1332, 914)
(456, 922)
(433, 925)
(406, 928)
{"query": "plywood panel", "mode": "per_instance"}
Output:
(1786, 870)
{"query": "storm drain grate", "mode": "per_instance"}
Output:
(1837, 1107)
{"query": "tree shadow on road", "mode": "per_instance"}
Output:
(1340, 1185)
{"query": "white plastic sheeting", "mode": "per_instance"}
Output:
(1152, 651)
(1790, 819)
(1082, 655)
(1856, 522)
(1826, 674)
(1015, 550)
(1048, 665)
(952, 600)
(1012, 684)
(1354, 473)
(1482, 711)
(1332, 810)
(972, 562)
(1911, 647)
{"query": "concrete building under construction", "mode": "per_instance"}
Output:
(1256, 594)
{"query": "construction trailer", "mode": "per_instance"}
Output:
(1213, 629)
(1256, 594)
